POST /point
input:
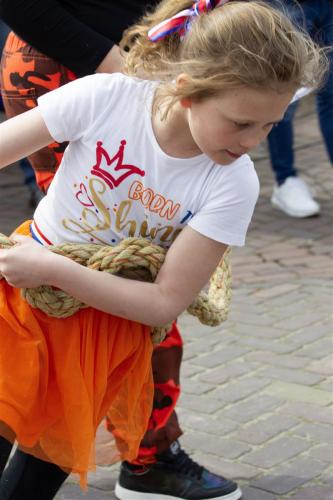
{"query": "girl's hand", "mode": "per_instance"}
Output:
(27, 264)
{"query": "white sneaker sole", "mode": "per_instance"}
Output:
(124, 494)
(294, 213)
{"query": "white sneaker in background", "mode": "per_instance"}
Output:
(294, 198)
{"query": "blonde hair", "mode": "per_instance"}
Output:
(239, 44)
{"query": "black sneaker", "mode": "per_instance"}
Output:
(174, 476)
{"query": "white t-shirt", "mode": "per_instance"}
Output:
(115, 181)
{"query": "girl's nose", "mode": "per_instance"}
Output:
(251, 140)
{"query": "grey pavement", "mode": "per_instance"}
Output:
(257, 399)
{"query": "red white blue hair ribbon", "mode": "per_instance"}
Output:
(181, 22)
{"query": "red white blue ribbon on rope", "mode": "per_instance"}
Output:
(181, 22)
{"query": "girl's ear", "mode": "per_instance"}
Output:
(181, 81)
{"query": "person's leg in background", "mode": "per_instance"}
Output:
(3, 36)
(324, 36)
(282, 159)
(26, 74)
(35, 194)
(162, 467)
(28, 173)
(291, 194)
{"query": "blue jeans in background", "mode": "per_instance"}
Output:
(318, 17)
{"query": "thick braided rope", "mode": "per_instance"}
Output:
(134, 258)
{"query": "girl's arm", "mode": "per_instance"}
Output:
(189, 264)
(22, 135)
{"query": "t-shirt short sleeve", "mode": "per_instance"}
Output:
(68, 111)
(229, 203)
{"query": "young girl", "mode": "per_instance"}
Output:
(162, 160)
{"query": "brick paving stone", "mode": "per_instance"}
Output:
(310, 334)
(247, 410)
(227, 468)
(290, 476)
(277, 290)
(299, 321)
(241, 316)
(208, 342)
(323, 452)
(244, 260)
(201, 423)
(325, 366)
(241, 275)
(298, 392)
(207, 443)
(327, 477)
(266, 280)
(188, 355)
(196, 388)
(286, 300)
(104, 478)
(255, 494)
(290, 310)
(221, 356)
(243, 298)
(240, 389)
(313, 492)
(238, 304)
(275, 452)
(257, 330)
(227, 371)
(309, 411)
(269, 345)
(321, 261)
(290, 256)
(314, 272)
(291, 375)
(188, 370)
(73, 492)
(193, 329)
(318, 349)
(284, 360)
(264, 429)
(327, 385)
(201, 404)
(197, 347)
(316, 432)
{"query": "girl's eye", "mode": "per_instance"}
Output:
(241, 125)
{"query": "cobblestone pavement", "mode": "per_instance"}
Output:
(257, 401)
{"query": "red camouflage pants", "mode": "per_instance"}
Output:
(25, 75)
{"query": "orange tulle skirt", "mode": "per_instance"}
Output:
(60, 377)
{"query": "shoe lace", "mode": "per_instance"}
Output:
(184, 463)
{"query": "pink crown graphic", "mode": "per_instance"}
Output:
(117, 164)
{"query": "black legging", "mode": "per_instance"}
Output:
(5, 449)
(27, 477)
